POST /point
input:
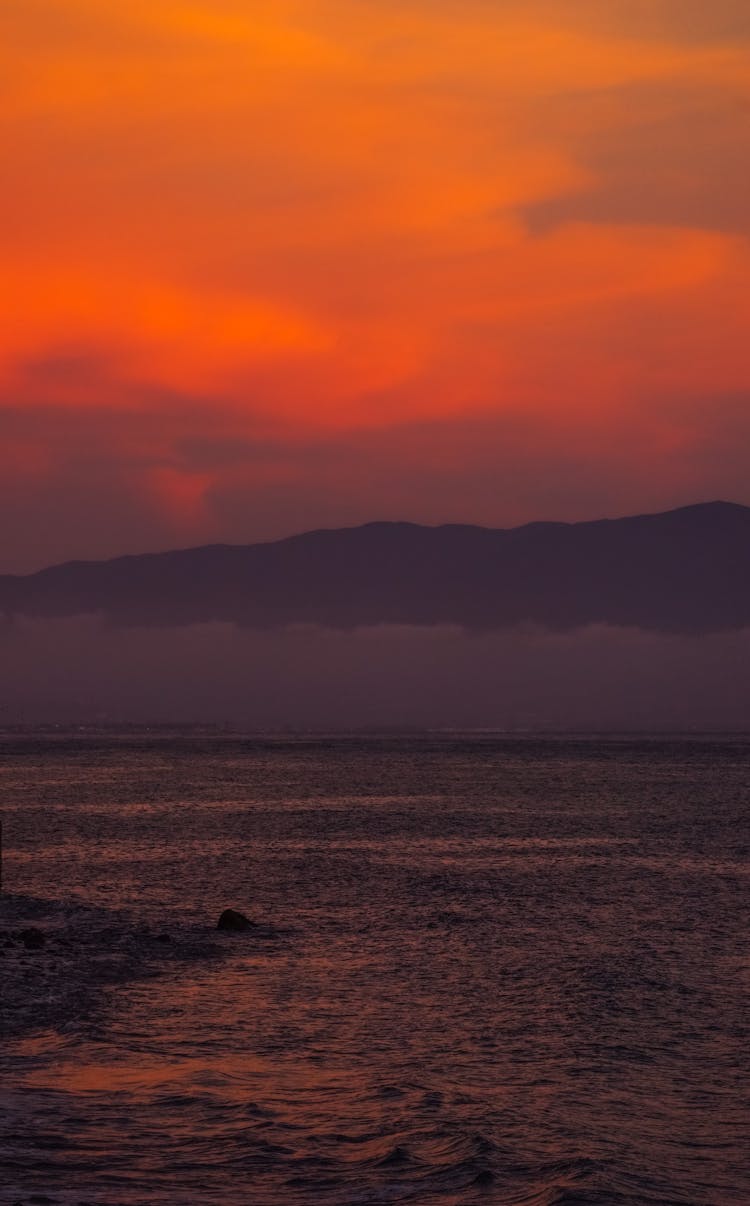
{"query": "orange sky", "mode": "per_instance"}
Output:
(267, 266)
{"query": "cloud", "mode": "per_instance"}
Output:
(656, 155)
(267, 267)
(691, 21)
(602, 678)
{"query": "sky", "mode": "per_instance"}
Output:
(273, 266)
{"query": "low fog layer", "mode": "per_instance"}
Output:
(86, 670)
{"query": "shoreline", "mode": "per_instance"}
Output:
(58, 958)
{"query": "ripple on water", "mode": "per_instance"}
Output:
(498, 972)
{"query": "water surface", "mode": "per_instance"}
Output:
(506, 970)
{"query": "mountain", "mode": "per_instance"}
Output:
(685, 571)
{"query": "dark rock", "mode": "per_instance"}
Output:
(232, 920)
(483, 1178)
(32, 939)
(399, 1155)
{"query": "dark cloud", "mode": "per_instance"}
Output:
(688, 21)
(66, 367)
(658, 155)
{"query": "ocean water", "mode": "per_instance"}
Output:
(487, 969)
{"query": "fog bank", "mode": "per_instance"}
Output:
(85, 670)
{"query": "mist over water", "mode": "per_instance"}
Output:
(494, 970)
(86, 670)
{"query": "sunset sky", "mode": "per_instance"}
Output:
(273, 266)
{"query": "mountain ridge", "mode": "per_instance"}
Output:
(683, 570)
(712, 506)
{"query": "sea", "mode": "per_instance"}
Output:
(484, 968)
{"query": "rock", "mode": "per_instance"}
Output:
(485, 1177)
(232, 920)
(32, 939)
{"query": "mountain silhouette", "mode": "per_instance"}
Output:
(682, 571)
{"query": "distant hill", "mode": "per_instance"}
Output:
(683, 571)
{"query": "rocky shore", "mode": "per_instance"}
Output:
(57, 958)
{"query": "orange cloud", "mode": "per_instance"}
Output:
(328, 216)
